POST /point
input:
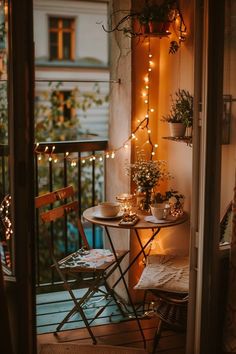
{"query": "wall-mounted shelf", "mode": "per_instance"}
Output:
(184, 139)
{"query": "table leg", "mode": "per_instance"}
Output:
(127, 289)
(139, 253)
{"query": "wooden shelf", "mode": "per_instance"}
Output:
(183, 139)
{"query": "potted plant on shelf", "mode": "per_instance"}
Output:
(181, 114)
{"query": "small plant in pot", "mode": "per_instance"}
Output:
(181, 113)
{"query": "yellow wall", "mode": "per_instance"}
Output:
(171, 71)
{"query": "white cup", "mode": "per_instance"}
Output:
(160, 211)
(109, 209)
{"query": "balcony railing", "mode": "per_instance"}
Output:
(58, 164)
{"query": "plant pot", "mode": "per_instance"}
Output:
(177, 129)
(156, 27)
(159, 27)
(144, 28)
(189, 131)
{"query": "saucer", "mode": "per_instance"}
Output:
(158, 221)
(98, 215)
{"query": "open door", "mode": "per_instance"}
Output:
(203, 332)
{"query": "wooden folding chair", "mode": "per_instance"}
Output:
(90, 267)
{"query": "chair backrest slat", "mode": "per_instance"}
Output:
(59, 212)
(52, 197)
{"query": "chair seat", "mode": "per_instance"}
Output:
(166, 273)
(88, 261)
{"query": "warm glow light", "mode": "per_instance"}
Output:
(152, 110)
(146, 79)
(156, 145)
(145, 101)
(149, 131)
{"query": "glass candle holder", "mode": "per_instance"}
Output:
(126, 202)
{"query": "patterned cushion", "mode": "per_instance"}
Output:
(166, 273)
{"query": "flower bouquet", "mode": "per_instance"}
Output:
(147, 174)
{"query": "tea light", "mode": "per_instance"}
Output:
(126, 202)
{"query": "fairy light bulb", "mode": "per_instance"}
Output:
(152, 110)
(83, 161)
(100, 158)
(39, 158)
(55, 160)
(50, 158)
(156, 145)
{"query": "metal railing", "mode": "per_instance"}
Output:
(59, 164)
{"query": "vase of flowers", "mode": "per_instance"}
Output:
(147, 174)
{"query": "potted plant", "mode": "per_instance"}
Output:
(161, 16)
(152, 19)
(172, 199)
(181, 113)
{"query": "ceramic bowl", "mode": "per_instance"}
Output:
(109, 209)
(160, 211)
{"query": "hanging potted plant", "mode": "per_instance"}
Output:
(153, 19)
(161, 17)
(181, 114)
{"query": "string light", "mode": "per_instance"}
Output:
(142, 124)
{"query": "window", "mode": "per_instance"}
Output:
(61, 100)
(61, 38)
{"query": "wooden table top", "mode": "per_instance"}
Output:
(92, 215)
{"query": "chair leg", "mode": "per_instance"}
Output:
(111, 292)
(157, 336)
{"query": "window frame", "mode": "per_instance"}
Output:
(60, 31)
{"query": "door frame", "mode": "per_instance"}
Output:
(21, 161)
(204, 327)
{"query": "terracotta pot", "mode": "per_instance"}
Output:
(144, 28)
(159, 27)
(177, 129)
(155, 27)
